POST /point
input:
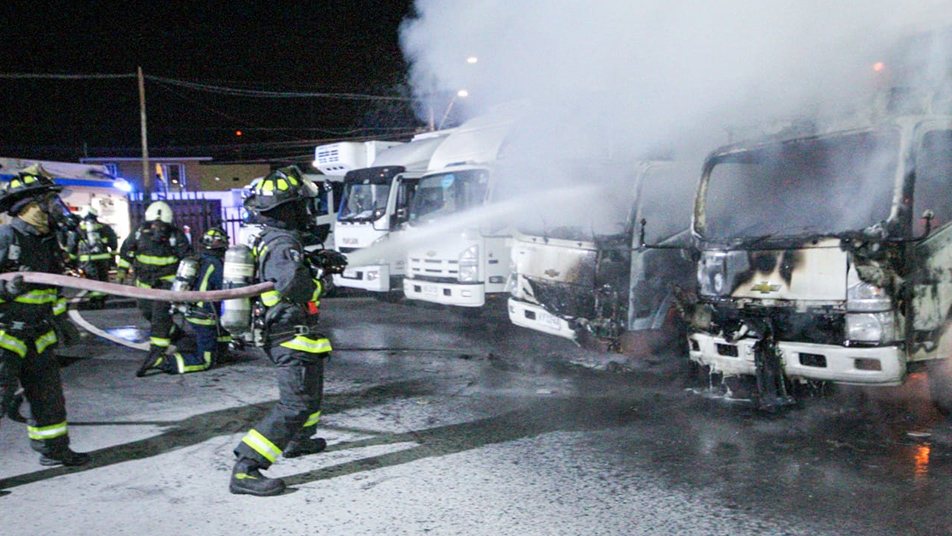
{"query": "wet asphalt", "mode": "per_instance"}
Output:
(442, 424)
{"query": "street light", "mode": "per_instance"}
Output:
(459, 94)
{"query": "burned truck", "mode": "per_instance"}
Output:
(597, 284)
(826, 257)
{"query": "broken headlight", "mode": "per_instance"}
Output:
(468, 265)
(864, 297)
(711, 277)
(871, 327)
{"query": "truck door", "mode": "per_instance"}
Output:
(932, 256)
(664, 203)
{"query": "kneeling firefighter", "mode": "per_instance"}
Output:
(204, 274)
(153, 251)
(29, 312)
(282, 201)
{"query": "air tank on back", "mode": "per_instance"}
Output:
(239, 271)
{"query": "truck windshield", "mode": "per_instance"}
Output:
(444, 194)
(823, 185)
(364, 202)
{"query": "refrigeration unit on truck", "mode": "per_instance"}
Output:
(375, 203)
(828, 258)
(464, 259)
(598, 284)
(334, 161)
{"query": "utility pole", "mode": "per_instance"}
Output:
(146, 174)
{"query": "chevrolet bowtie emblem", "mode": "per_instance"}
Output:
(765, 287)
(552, 273)
(431, 253)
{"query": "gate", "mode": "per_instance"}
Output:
(192, 213)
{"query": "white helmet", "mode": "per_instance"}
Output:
(86, 210)
(159, 210)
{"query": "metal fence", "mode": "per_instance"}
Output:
(194, 214)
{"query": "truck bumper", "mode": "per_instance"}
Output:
(473, 295)
(374, 278)
(532, 316)
(884, 365)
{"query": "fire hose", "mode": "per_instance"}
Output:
(141, 293)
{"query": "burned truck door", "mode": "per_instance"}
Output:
(664, 264)
(931, 273)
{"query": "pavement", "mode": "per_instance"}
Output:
(442, 424)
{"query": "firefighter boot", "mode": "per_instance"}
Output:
(64, 456)
(154, 360)
(304, 446)
(246, 478)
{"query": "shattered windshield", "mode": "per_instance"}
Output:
(364, 202)
(448, 193)
(823, 185)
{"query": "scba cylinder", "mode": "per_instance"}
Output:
(239, 271)
(93, 237)
(185, 275)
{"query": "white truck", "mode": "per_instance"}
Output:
(826, 257)
(464, 260)
(596, 284)
(375, 202)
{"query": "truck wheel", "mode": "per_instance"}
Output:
(940, 385)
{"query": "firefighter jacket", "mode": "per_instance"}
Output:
(288, 318)
(24, 249)
(91, 241)
(210, 271)
(153, 250)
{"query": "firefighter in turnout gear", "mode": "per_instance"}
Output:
(92, 248)
(291, 342)
(211, 340)
(29, 312)
(153, 252)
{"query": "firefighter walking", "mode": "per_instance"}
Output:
(92, 247)
(153, 252)
(28, 313)
(291, 342)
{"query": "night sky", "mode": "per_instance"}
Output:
(331, 46)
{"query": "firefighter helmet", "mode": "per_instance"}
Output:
(159, 210)
(88, 211)
(29, 184)
(280, 187)
(215, 238)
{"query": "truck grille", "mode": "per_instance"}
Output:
(564, 300)
(419, 268)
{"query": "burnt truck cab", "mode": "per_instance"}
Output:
(826, 256)
(594, 281)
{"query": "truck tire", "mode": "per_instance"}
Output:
(939, 374)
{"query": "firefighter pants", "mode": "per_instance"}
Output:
(206, 349)
(301, 388)
(97, 271)
(159, 315)
(28, 357)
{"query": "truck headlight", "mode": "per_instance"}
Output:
(468, 265)
(864, 297)
(871, 327)
(710, 274)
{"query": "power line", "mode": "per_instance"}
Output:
(54, 76)
(273, 94)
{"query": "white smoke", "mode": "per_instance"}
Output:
(650, 74)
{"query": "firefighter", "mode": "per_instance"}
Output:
(29, 313)
(291, 342)
(153, 252)
(92, 247)
(211, 340)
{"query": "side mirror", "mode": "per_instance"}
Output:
(928, 215)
